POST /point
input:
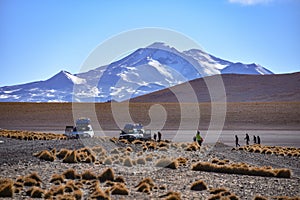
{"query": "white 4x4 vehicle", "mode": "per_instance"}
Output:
(82, 129)
(135, 131)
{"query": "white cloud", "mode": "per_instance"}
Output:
(250, 2)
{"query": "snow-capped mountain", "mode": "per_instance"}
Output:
(146, 70)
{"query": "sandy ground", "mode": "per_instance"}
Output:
(167, 116)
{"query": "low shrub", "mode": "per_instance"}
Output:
(88, 175)
(107, 175)
(119, 189)
(6, 188)
(199, 185)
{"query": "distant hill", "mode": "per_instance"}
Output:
(239, 88)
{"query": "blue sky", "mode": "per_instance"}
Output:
(40, 38)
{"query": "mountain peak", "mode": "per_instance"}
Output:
(161, 45)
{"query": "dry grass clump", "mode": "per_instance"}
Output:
(171, 196)
(35, 192)
(6, 188)
(115, 151)
(107, 175)
(71, 174)
(32, 179)
(283, 173)
(119, 189)
(62, 153)
(145, 185)
(192, 147)
(124, 141)
(99, 194)
(35, 176)
(286, 198)
(199, 185)
(98, 149)
(129, 149)
(243, 169)
(114, 140)
(217, 190)
(139, 142)
(120, 179)
(78, 194)
(128, 162)
(164, 149)
(107, 161)
(167, 163)
(45, 155)
(141, 161)
(258, 197)
(29, 135)
(71, 157)
(222, 193)
(57, 178)
(88, 175)
(276, 150)
(149, 157)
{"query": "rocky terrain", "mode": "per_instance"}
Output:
(169, 165)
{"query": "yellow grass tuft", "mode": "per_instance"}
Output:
(149, 181)
(283, 173)
(120, 179)
(137, 142)
(70, 174)
(78, 194)
(35, 192)
(167, 163)
(141, 161)
(128, 162)
(57, 178)
(113, 140)
(243, 169)
(71, 157)
(171, 196)
(258, 197)
(115, 151)
(217, 190)
(144, 187)
(35, 176)
(6, 188)
(199, 185)
(119, 189)
(99, 194)
(149, 158)
(62, 153)
(107, 161)
(129, 149)
(30, 182)
(45, 155)
(88, 175)
(107, 175)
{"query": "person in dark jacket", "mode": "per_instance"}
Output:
(247, 138)
(154, 136)
(159, 136)
(254, 139)
(237, 141)
(258, 139)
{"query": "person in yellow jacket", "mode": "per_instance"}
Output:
(199, 139)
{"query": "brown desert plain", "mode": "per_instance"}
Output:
(38, 164)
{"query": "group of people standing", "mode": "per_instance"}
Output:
(256, 140)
